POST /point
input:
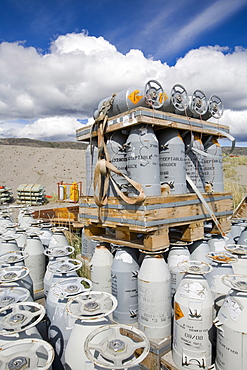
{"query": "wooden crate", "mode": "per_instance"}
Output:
(157, 119)
(150, 225)
(168, 210)
(60, 215)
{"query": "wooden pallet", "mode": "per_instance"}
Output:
(157, 119)
(153, 241)
(241, 211)
(151, 224)
(60, 215)
(168, 210)
(167, 362)
(149, 241)
(157, 349)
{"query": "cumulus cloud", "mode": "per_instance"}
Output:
(51, 91)
(237, 121)
(217, 71)
(48, 129)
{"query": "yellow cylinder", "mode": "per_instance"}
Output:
(74, 192)
(65, 192)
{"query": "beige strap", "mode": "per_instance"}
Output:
(102, 171)
(104, 167)
(210, 211)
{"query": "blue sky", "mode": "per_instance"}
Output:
(163, 29)
(58, 59)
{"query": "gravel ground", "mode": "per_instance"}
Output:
(241, 175)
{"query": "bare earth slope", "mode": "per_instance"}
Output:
(40, 165)
(25, 161)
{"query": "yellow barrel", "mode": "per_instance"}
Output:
(74, 192)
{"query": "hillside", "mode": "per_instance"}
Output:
(237, 150)
(26, 161)
(81, 145)
(42, 144)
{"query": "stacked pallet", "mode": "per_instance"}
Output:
(32, 194)
(153, 223)
(5, 195)
(156, 217)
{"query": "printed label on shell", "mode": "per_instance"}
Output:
(134, 97)
(195, 310)
(233, 308)
(165, 97)
(190, 358)
(53, 240)
(178, 313)
(194, 290)
(125, 257)
(126, 121)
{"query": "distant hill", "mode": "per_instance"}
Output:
(237, 150)
(80, 145)
(43, 144)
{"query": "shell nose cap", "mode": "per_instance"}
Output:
(91, 306)
(17, 318)
(117, 345)
(7, 300)
(18, 363)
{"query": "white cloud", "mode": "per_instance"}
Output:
(55, 89)
(79, 42)
(49, 129)
(237, 121)
(223, 74)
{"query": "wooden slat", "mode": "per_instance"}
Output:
(157, 119)
(163, 211)
(149, 226)
(241, 210)
(167, 362)
(153, 241)
(157, 349)
(193, 231)
(149, 240)
(69, 213)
